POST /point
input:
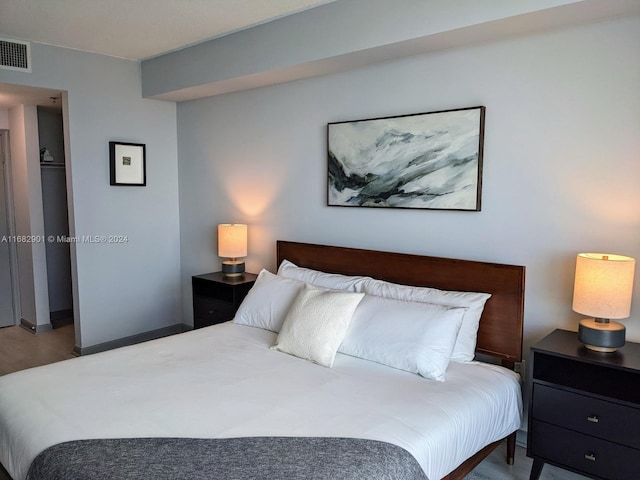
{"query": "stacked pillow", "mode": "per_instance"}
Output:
(318, 314)
(333, 281)
(268, 301)
(410, 336)
(465, 344)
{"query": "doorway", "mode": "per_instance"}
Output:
(34, 117)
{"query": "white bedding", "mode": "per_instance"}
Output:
(224, 381)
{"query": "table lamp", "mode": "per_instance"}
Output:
(603, 288)
(232, 244)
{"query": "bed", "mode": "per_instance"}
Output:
(219, 402)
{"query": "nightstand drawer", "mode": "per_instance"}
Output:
(220, 291)
(207, 311)
(599, 418)
(584, 453)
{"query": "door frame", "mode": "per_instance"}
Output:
(11, 225)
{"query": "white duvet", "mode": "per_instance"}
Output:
(224, 381)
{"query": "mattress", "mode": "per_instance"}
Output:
(225, 382)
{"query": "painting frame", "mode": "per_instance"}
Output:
(127, 164)
(426, 161)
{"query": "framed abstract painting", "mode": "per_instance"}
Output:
(425, 161)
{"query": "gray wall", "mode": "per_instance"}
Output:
(560, 169)
(56, 224)
(27, 200)
(7, 308)
(50, 132)
(128, 288)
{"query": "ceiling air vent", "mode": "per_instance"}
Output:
(15, 55)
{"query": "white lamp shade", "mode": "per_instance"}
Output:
(603, 285)
(232, 240)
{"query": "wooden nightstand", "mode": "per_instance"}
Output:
(216, 298)
(584, 410)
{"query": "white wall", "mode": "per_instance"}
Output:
(561, 161)
(128, 288)
(27, 198)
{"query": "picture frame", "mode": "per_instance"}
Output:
(429, 161)
(127, 164)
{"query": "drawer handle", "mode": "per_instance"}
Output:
(593, 419)
(590, 456)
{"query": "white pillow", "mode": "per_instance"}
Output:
(465, 346)
(332, 281)
(411, 336)
(268, 301)
(316, 324)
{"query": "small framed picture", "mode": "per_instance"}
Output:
(127, 164)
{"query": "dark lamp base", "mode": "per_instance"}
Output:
(233, 268)
(603, 337)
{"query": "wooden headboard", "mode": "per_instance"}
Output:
(500, 332)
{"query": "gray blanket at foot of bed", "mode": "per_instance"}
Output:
(274, 458)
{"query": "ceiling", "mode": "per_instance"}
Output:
(131, 29)
(136, 29)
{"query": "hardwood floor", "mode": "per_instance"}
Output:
(20, 349)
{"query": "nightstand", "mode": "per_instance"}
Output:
(216, 298)
(584, 410)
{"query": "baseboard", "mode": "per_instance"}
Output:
(133, 339)
(33, 328)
